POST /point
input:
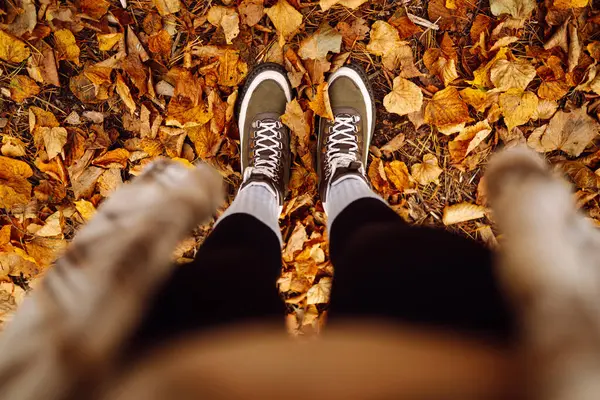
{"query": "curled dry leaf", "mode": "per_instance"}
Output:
(286, 20)
(125, 94)
(352, 4)
(85, 209)
(397, 173)
(14, 187)
(516, 74)
(446, 110)
(116, 158)
(12, 147)
(405, 97)
(319, 293)
(569, 132)
(41, 66)
(320, 102)
(428, 171)
(518, 107)
(66, 46)
(160, 44)
(12, 49)
(393, 145)
(592, 80)
(54, 140)
(227, 18)
(468, 140)
(324, 40)
(22, 87)
(462, 212)
(251, 11)
(443, 67)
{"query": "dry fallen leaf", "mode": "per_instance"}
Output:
(446, 110)
(462, 212)
(324, 40)
(12, 147)
(385, 41)
(468, 140)
(481, 76)
(397, 173)
(298, 122)
(519, 9)
(251, 11)
(12, 49)
(227, 18)
(566, 4)
(320, 103)
(518, 107)
(405, 97)
(66, 46)
(428, 171)
(351, 33)
(54, 140)
(515, 74)
(14, 187)
(125, 94)
(286, 19)
(569, 132)
(106, 41)
(319, 293)
(85, 209)
(166, 7)
(22, 87)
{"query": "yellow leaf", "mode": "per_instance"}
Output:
(515, 74)
(428, 171)
(227, 18)
(468, 140)
(66, 46)
(14, 169)
(476, 98)
(12, 49)
(319, 293)
(166, 7)
(296, 119)
(446, 110)
(566, 4)
(205, 142)
(116, 158)
(286, 20)
(517, 107)
(54, 140)
(397, 173)
(295, 243)
(462, 212)
(352, 4)
(569, 132)
(545, 109)
(106, 41)
(85, 209)
(12, 147)
(45, 250)
(377, 176)
(385, 41)
(324, 40)
(22, 87)
(481, 76)
(320, 102)
(125, 94)
(405, 97)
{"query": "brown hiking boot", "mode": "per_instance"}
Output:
(264, 140)
(344, 142)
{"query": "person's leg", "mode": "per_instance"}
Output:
(233, 278)
(382, 266)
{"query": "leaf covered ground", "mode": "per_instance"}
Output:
(91, 91)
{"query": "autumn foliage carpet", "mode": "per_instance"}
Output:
(91, 91)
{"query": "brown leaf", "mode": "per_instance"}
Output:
(84, 184)
(251, 11)
(574, 47)
(320, 102)
(428, 171)
(41, 66)
(218, 109)
(385, 41)
(569, 132)
(66, 46)
(94, 8)
(183, 114)
(109, 181)
(316, 70)
(462, 212)
(406, 28)
(446, 110)
(12, 49)
(352, 4)
(405, 97)
(166, 7)
(452, 19)
(324, 40)
(295, 243)
(22, 87)
(517, 107)
(160, 43)
(286, 19)
(125, 94)
(377, 176)
(206, 143)
(468, 140)
(393, 145)
(351, 33)
(14, 187)
(227, 18)
(515, 74)
(442, 67)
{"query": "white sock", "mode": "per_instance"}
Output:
(342, 193)
(258, 200)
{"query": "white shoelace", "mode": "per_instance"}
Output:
(267, 143)
(342, 143)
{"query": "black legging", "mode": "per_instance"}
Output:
(383, 268)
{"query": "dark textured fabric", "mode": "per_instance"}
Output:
(383, 268)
